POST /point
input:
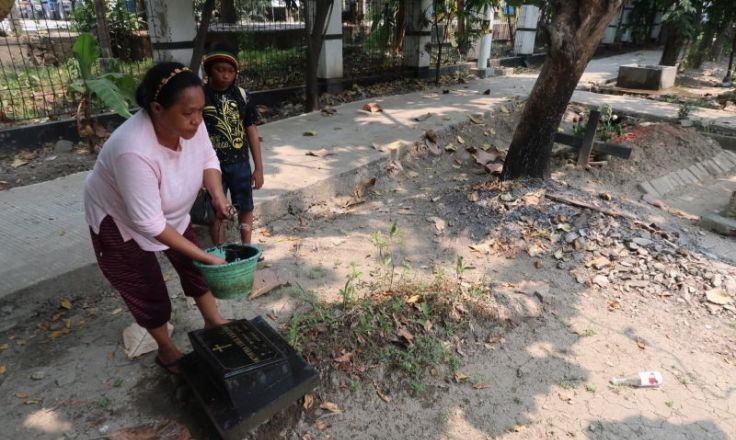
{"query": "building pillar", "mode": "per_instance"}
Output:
(330, 57)
(526, 30)
(609, 37)
(484, 48)
(172, 28)
(418, 35)
(626, 22)
(656, 27)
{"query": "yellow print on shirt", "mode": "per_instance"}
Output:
(230, 133)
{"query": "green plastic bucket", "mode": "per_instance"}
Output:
(233, 280)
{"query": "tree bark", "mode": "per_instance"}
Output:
(316, 27)
(573, 35)
(672, 46)
(400, 27)
(201, 38)
(228, 14)
(103, 33)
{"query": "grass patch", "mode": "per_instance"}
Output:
(408, 333)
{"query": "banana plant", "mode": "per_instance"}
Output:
(111, 90)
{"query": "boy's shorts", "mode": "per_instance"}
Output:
(236, 177)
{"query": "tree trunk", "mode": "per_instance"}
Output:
(103, 34)
(316, 28)
(573, 36)
(228, 13)
(672, 46)
(698, 56)
(201, 37)
(400, 27)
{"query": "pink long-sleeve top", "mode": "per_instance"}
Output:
(143, 185)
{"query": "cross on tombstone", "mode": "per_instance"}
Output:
(587, 144)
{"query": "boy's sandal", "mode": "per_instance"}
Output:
(168, 367)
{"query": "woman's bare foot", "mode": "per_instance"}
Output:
(167, 358)
(215, 322)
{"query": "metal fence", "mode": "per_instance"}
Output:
(271, 38)
(36, 65)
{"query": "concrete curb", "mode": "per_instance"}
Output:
(723, 163)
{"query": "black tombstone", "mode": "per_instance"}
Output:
(244, 372)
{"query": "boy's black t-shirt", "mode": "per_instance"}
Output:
(226, 115)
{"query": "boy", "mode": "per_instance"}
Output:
(231, 118)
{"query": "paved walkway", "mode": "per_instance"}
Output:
(42, 226)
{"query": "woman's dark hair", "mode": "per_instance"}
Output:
(156, 88)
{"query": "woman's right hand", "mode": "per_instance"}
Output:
(214, 260)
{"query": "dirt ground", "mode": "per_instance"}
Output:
(614, 289)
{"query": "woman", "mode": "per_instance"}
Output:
(138, 196)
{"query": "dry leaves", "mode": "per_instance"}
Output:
(322, 152)
(310, 133)
(344, 358)
(66, 304)
(460, 377)
(372, 107)
(405, 334)
(308, 402)
(380, 394)
(614, 305)
(321, 425)
(718, 296)
(331, 407)
(423, 117)
(3, 369)
(641, 343)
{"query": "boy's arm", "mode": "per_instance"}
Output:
(255, 150)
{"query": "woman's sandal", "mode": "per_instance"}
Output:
(168, 367)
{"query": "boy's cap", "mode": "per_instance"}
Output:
(220, 53)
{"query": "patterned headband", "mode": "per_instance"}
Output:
(166, 80)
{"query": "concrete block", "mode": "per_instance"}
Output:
(712, 168)
(633, 76)
(687, 176)
(662, 185)
(727, 161)
(483, 72)
(647, 188)
(719, 224)
(722, 163)
(697, 172)
(702, 169)
(675, 180)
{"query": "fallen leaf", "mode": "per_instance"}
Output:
(614, 305)
(598, 263)
(322, 152)
(605, 196)
(383, 397)
(65, 303)
(310, 133)
(3, 369)
(460, 377)
(518, 428)
(32, 402)
(423, 117)
(361, 188)
(405, 334)
(718, 296)
(494, 168)
(413, 299)
(344, 358)
(641, 343)
(18, 163)
(475, 119)
(430, 135)
(566, 395)
(534, 250)
(308, 402)
(3, 347)
(331, 407)
(460, 140)
(439, 224)
(433, 148)
(481, 386)
(272, 316)
(116, 311)
(321, 425)
(372, 107)
(450, 147)
(267, 280)
(481, 249)
(412, 174)
(22, 395)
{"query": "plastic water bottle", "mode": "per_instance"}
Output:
(645, 379)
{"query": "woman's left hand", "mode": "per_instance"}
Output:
(224, 209)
